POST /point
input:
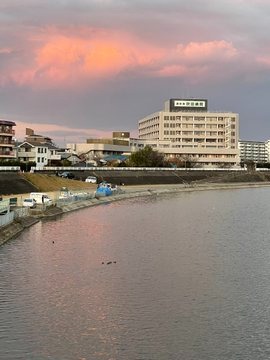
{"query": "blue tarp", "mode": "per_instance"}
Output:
(115, 157)
(103, 190)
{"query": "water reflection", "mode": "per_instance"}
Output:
(190, 281)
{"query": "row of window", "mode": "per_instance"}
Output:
(212, 144)
(196, 126)
(200, 118)
(198, 133)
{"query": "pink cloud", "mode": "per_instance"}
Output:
(207, 51)
(89, 56)
(5, 51)
(59, 133)
(264, 60)
(65, 60)
(198, 60)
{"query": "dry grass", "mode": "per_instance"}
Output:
(46, 182)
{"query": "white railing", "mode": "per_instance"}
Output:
(96, 168)
(10, 168)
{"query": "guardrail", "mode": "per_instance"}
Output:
(96, 168)
(10, 168)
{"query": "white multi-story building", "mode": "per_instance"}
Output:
(257, 151)
(267, 147)
(40, 153)
(186, 128)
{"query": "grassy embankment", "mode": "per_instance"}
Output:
(44, 182)
(47, 183)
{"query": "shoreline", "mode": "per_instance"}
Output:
(15, 228)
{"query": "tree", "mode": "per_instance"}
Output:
(66, 162)
(146, 157)
(250, 165)
(183, 161)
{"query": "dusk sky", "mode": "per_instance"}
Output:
(74, 69)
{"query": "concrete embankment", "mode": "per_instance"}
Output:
(12, 230)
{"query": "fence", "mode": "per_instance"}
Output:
(21, 212)
(6, 216)
(73, 198)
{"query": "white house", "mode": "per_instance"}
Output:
(40, 153)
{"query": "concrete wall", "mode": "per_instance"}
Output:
(6, 219)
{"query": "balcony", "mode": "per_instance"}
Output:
(7, 131)
(7, 154)
(54, 157)
(26, 154)
(7, 143)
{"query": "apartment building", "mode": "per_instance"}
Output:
(185, 127)
(6, 140)
(257, 151)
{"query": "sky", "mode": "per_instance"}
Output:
(78, 69)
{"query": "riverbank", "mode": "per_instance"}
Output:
(15, 228)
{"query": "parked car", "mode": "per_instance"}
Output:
(91, 179)
(41, 198)
(29, 203)
(67, 175)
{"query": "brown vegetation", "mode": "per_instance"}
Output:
(45, 182)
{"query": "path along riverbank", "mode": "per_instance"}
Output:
(16, 227)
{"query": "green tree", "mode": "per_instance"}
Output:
(66, 162)
(146, 157)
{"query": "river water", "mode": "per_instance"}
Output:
(189, 279)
